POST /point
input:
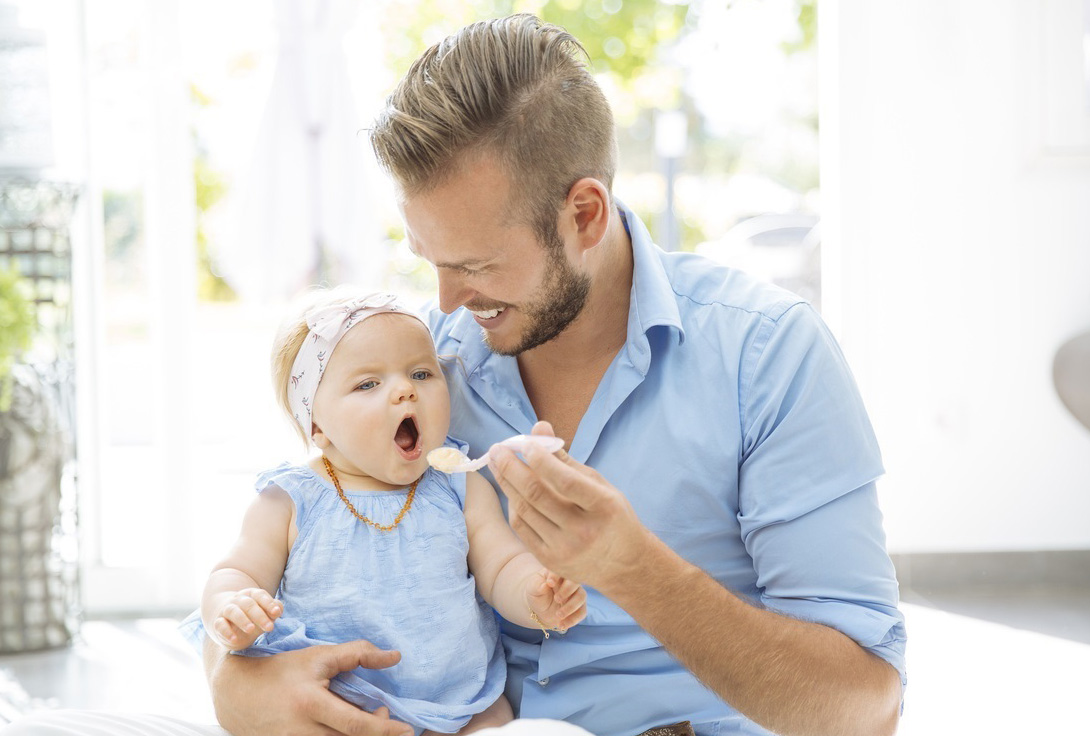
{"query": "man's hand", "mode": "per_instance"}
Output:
(575, 522)
(289, 692)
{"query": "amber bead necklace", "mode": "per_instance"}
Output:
(361, 517)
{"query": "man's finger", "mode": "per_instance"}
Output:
(543, 429)
(568, 461)
(531, 525)
(522, 483)
(334, 659)
(345, 718)
(570, 480)
(530, 502)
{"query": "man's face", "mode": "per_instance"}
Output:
(521, 291)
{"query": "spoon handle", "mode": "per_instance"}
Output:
(473, 464)
(518, 443)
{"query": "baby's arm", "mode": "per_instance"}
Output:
(508, 576)
(238, 604)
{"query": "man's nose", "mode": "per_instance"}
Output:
(453, 292)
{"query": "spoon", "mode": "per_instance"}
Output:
(450, 460)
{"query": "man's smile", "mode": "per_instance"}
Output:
(487, 313)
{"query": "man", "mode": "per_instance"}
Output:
(730, 536)
(717, 494)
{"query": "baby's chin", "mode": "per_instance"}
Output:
(408, 474)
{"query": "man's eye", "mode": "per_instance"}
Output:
(421, 375)
(367, 385)
(463, 270)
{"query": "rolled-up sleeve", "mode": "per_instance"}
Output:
(808, 505)
(830, 566)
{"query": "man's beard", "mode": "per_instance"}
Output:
(561, 298)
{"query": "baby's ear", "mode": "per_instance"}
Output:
(317, 436)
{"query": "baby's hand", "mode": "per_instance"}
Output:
(558, 603)
(244, 616)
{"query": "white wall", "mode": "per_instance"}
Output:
(957, 234)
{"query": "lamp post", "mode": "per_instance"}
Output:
(671, 139)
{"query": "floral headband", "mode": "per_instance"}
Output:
(327, 326)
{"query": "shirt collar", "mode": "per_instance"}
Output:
(653, 302)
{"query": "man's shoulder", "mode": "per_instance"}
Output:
(704, 286)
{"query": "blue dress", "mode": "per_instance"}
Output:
(408, 589)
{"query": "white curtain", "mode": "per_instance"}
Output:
(303, 213)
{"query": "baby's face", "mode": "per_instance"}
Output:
(383, 402)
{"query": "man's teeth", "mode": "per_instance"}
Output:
(488, 313)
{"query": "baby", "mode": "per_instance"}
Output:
(365, 541)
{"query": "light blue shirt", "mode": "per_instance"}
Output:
(733, 425)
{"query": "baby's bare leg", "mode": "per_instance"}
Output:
(496, 714)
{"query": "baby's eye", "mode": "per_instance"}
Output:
(421, 375)
(367, 385)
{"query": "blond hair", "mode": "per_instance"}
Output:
(515, 88)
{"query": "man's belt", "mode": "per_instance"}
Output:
(677, 729)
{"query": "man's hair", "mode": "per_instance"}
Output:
(515, 88)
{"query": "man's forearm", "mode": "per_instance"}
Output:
(213, 655)
(792, 677)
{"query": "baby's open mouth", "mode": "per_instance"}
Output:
(407, 437)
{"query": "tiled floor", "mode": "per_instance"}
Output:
(1001, 664)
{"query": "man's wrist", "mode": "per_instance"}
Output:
(630, 572)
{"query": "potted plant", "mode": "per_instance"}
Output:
(17, 326)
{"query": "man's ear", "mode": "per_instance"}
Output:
(588, 210)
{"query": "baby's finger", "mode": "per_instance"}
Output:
(573, 618)
(567, 589)
(269, 605)
(538, 587)
(540, 603)
(255, 613)
(226, 631)
(576, 599)
(234, 614)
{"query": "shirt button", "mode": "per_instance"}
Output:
(543, 681)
